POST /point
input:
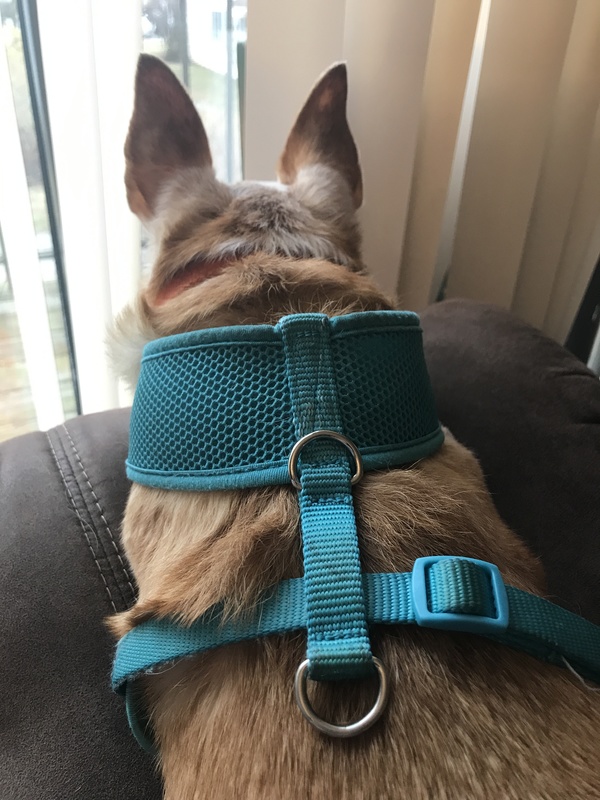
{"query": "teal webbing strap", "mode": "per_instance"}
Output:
(460, 587)
(551, 633)
(532, 624)
(337, 634)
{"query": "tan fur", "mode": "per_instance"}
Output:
(467, 718)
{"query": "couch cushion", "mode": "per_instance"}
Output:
(530, 411)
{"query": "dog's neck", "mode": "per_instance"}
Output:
(193, 274)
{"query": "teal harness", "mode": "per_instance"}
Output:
(314, 401)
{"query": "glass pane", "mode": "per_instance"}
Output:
(18, 412)
(57, 331)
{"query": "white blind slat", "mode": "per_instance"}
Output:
(73, 109)
(563, 166)
(289, 44)
(450, 50)
(386, 45)
(581, 247)
(116, 50)
(522, 64)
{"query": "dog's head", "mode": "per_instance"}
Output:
(252, 251)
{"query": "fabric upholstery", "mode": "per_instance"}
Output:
(530, 411)
(63, 733)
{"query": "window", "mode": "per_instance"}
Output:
(42, 334)
(38, 387)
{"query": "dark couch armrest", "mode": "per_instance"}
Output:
(64, 733)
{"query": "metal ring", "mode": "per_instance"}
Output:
(324, 434)
(340, 731)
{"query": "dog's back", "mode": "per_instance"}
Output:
(467, 718)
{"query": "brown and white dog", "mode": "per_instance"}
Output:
(467, 718)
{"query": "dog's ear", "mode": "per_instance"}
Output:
(321, 134)
(165, 135)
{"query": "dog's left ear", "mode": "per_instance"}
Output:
(165, 136)
(321, 134)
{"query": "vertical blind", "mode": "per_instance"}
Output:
(477, 123)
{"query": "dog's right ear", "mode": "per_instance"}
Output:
(165, 135)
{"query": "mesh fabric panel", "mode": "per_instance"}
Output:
(213, 410)
(383, 387)
(195, 409)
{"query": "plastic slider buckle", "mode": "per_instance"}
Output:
(467, 623)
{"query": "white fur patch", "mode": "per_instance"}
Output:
(324, 190)
(125, 341)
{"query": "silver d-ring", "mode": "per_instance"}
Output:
(340, 731)
(324, 434)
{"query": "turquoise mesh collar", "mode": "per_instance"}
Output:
(213, 410)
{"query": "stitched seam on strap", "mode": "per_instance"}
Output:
(102, 517)
(82, 522)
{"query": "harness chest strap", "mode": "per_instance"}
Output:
(523, 621)
(444, 592)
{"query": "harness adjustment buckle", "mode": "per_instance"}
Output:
(464, 622)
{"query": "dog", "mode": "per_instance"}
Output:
(467, 717)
